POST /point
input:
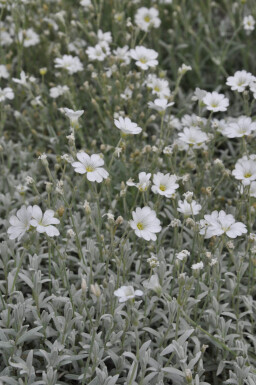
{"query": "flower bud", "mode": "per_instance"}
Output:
(48, 186)
(43, 71)
(188, 376)
(84, 285)
(95, 289)
(61, 211)
(71, 233)
(43, 158)
(119, 220)
(87, 207)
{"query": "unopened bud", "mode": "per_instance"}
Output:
(188, 376)
(87, 207)
(95, 289)
(61, 211)
(119, 220)
(48, 186)
(44, 160)
(71, 233)
(208, 190)
(43, 71)
(84, 285)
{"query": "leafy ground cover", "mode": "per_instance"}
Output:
(128, 192)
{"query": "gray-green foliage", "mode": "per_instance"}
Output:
(60, 322)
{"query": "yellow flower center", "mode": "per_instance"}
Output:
(147, 18)
(157, 89)
(162, 187)
(143, 60)
(247, 175)
(140, 226)
(225, 229)
(89, 169)
(214, 105)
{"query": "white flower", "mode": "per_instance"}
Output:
(197, 266)
(188, 195)
(215, 102)
(104, 38)
(118, 151)
(6, 93)
(67, 158)
(193, 120)
(109, 71)
(187, 208)
(240, 80)
(28, 37)
(160, 87)
(164, 184)
(86, 3)
(122, 55)
(6, 38)
(218, 223)
(219, 125)
(51, 23)
(76, 45)
(127, 292)
(91, 165)
(182, 255)
(43, 158)
(110, 216)
(168, 150)
(44, 222)
(22, 80)
(243, 126)
(37, 101)
(144, 181)
(55, 92)
(145, 223)
(70, 63)
(253, 189)
(127, 94)
(72, 115)
(183, 69)
(153, 261)
(193, 136)
(29, 180)
(153, 284)
(147, 18)
(253, 88)
(245, 170)
(98, 52)
(144, 57)
(160, 105)
(21, 189)
(127, 126)
(199, 95)
(20, 223)
(249, 23)
(3, 72)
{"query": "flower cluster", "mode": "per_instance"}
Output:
(32, 216)
(128, 192)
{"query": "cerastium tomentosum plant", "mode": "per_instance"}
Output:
(128, 192)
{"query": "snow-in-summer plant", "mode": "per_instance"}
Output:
(128, 192)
